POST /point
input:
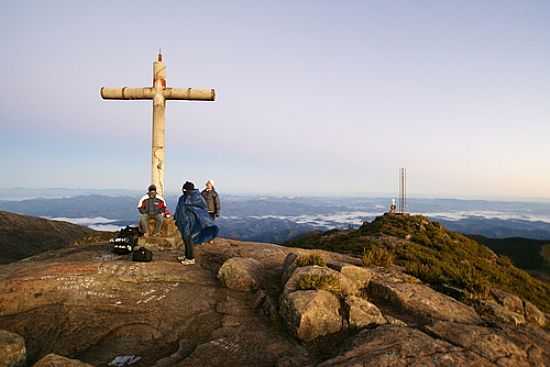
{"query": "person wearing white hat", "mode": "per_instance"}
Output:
(212, 199)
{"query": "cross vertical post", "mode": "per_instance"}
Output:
(159, 94)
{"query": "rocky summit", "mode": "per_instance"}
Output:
(251, 304)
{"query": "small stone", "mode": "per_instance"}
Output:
(12, 350)
(533, 314)
(492, 311)
(54, 360)
(362, 313)
(509, 301)
(394, 321)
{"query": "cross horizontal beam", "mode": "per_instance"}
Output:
(189, 94)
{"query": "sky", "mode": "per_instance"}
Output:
(313, 97)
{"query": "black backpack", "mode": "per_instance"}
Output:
(142, 255)
(125, 240)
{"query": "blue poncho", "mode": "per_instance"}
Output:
(193, 220)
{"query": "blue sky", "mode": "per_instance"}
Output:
(314, 97)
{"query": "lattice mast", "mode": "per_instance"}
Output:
(402, 205)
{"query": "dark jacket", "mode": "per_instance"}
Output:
(212, 201)
(150, 206)
(192, 218)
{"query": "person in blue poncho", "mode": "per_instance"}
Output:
(193, 221)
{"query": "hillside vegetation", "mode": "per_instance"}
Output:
(448, 261)
(23, 236)
(528, 254)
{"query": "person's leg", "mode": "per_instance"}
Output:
(143, 223)
(212, 216)
(189, 248)
(159, 219)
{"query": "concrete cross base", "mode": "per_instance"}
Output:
(169, 238)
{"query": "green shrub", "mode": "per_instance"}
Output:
(424, 272)
(377, 256)
(310, 260)
(474, 283)
(504, 261)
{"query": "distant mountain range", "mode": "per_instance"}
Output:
(277, 219)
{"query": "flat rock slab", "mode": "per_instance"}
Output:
(271, 256)
(402, 346)
(12, 350)
(489, 343)
(417, 300)
(92, 305)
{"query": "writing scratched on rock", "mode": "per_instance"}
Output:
(155, 295)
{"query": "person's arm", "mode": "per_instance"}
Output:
(162, 205)
(178, 207)
(142, 205)
(218, 205)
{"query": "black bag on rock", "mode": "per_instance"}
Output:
(125, 240)
(142, 254)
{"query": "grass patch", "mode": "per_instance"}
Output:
(310, 260)
(328, 282)
(377, 256)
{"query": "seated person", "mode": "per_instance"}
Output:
(151, 205)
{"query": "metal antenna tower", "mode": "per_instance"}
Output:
(402, 205)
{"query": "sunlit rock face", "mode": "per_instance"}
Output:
(247, 303)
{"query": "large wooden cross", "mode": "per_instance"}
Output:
(159, 94)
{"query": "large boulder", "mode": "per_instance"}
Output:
(289, 265)
(12, 350)
(54, 360)
(318, 277)
(362, 313)
(311, 314)
(241, 273)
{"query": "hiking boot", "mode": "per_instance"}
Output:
(188, 262)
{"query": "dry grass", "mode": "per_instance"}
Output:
(327, 282)
(310, 260)
(377, 256)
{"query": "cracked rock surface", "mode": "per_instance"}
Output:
(89, 305)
